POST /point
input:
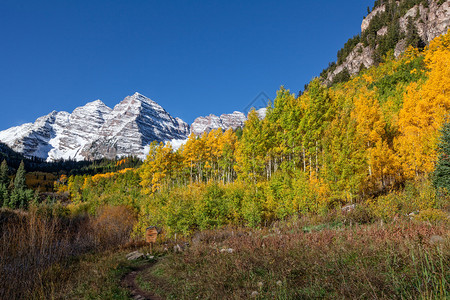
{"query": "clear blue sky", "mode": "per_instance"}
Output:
(192, 57)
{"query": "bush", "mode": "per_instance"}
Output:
(214, 210)
(433, 216)
(416, 196)
(33, 242)
(113, 225)
(361, 214)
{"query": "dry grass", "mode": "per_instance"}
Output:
(37, 246)
(395, 261)
(48, 256)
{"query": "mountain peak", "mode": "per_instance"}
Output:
(137, 94)
(211, 122)
(96, 131)
(139, 97)
(136, 100)
(97, 102)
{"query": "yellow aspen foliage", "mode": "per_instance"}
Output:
(190, 154)
(213, 150)
(424, 111)
(61, 184)
(382, 163)
(227, 158)
(228, 138)
(368, 117)
(252, 149)
(161, 162)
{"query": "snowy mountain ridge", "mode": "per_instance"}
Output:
(225, 121)
(96, 131)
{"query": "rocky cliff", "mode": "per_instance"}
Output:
(427, 20)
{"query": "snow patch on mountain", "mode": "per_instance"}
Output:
(211, 122)
(96, 131)
(234, 120)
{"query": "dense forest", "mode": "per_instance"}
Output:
(70, 167)
(372, 140)
(33, 180)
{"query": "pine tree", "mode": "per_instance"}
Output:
(441, 175)
(4, 196)
(412, 35)
(20, 195)
(4, 179)
(19, 180)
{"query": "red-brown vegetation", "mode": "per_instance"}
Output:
(33, 242)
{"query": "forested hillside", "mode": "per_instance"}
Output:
(389, 27)
(371, 140)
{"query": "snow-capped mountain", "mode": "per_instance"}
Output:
(133, 124)
(96, 131)
(83, 126)
(225, 121)
(33, 139)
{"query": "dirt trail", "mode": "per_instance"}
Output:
(129, 282)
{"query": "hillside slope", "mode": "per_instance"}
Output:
(390, 26)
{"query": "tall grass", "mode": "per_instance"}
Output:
(34, 242)
(389, 261)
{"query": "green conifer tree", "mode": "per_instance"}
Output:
(19, 180)
(4, 196)
(4, 173)
(441, 175)
(13, 199)
(4, 180)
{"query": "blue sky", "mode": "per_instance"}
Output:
(192, 57)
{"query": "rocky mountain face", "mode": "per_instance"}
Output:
(430, 22)
(95, 131)
(225, 121)
(133, 124)
(427, 19)
(211, 122)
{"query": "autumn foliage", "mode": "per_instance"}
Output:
(359, 141)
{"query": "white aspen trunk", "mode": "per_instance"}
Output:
(304, 159)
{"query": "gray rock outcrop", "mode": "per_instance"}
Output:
(429, 22)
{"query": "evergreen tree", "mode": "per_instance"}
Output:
(412, 35)
(343, 76)
(13, 200)
(20, 196)
(19, 180)
(4, 196)
(441, 175)
(4, 179)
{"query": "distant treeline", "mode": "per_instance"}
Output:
(68, 167)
